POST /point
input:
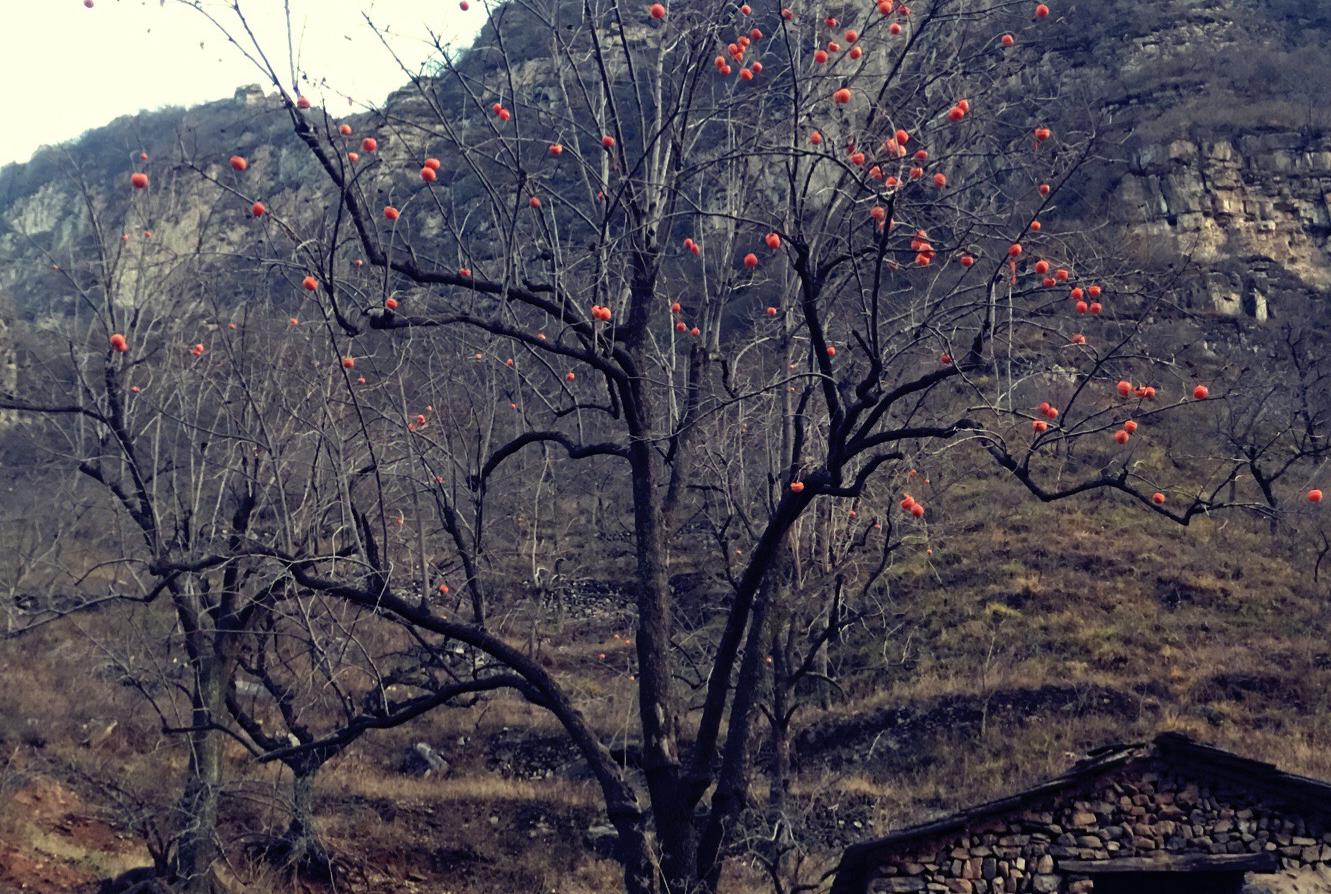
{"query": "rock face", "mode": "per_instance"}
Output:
(1253, 215)
(1213, 172)
(1219, 173)
(601, 839)
(8, 367)
(47, 205)
(423, 760)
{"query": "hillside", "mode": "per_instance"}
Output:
(1006, 638)
(1012, 653)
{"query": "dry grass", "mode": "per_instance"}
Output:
(1212, 631)
(370, 782)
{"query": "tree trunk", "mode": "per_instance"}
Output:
(301, 826)
(633, 851)
(825, 669)
(300, 849)
(732, 783)
(672, 810)
(779, 784)
(672, 803)
(196, 828)
(673, 798)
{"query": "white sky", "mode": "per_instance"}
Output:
(67, 69)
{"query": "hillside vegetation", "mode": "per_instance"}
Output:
(1011, 651)
(496, 442)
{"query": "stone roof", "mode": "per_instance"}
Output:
(1191, 757)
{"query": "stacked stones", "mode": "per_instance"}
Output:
(1143, 810)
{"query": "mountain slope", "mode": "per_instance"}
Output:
(1019, 631)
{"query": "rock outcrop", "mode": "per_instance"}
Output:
(1213, 173)
(1218, 148)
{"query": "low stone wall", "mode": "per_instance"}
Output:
(1143, 810)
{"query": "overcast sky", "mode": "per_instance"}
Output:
(66, 68)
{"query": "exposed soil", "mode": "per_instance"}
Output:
(58, 842)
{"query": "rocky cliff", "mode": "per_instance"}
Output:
(51, 207)
(1252, 214)
(1217, 144)
(1214, 167)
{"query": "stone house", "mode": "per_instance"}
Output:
(1169, 816)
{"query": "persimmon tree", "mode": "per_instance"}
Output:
(880, 178)
(203, 415)
(828, 240)
(826, 602)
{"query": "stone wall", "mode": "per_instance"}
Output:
(1145, 809)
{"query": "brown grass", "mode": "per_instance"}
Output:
(1213, 631)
